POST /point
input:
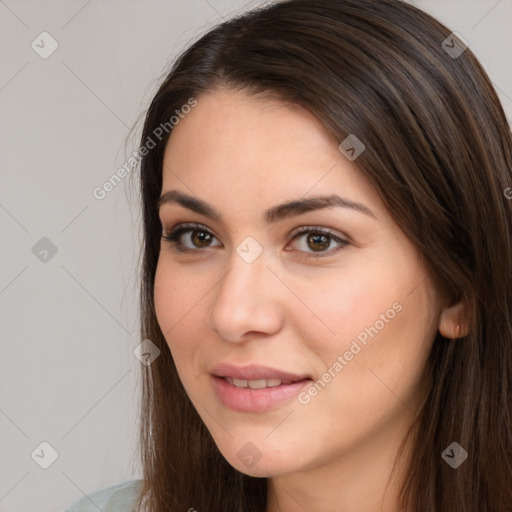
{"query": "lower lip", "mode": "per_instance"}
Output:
(255, 400)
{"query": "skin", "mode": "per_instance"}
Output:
(244, 154)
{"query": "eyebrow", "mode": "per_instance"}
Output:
(274, 214)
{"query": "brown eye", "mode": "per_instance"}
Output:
(318, 242)
(197, 237)
(313, 239)
(201, 238)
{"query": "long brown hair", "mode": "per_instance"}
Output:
(439, 152)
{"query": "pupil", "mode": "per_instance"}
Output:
(321, 239)
(202, 237)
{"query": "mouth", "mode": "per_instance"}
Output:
(255, 388)
(258, 383)
(255, 375)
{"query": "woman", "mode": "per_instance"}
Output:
(327, 270)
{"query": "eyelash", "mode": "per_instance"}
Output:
(174, 236)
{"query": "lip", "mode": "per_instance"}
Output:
(255, 400)
(254, 372)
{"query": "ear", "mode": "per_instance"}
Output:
(452, 322)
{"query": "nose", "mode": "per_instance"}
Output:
(248, 301)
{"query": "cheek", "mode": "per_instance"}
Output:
(180, 300)
(165, 298)
(381, 322)
(383, 300)
(345, 307)
(384, 340)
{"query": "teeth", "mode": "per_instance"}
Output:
(257, 383)
(239, 383)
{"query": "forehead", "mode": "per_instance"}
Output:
(266, 148)
(234, 123)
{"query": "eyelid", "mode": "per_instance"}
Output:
(172, 235)
(192, 225)
(321, 229)
(293, 233)
(340, 239)
(176, 231)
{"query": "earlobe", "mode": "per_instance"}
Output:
(452, 324)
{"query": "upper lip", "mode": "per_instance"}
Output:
(254, 372)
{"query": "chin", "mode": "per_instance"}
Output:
(264, 469)
(253, 462)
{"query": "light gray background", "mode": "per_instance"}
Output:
(69, 325)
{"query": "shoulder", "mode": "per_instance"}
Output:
(117, 498)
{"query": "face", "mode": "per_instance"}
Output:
(327, 315)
